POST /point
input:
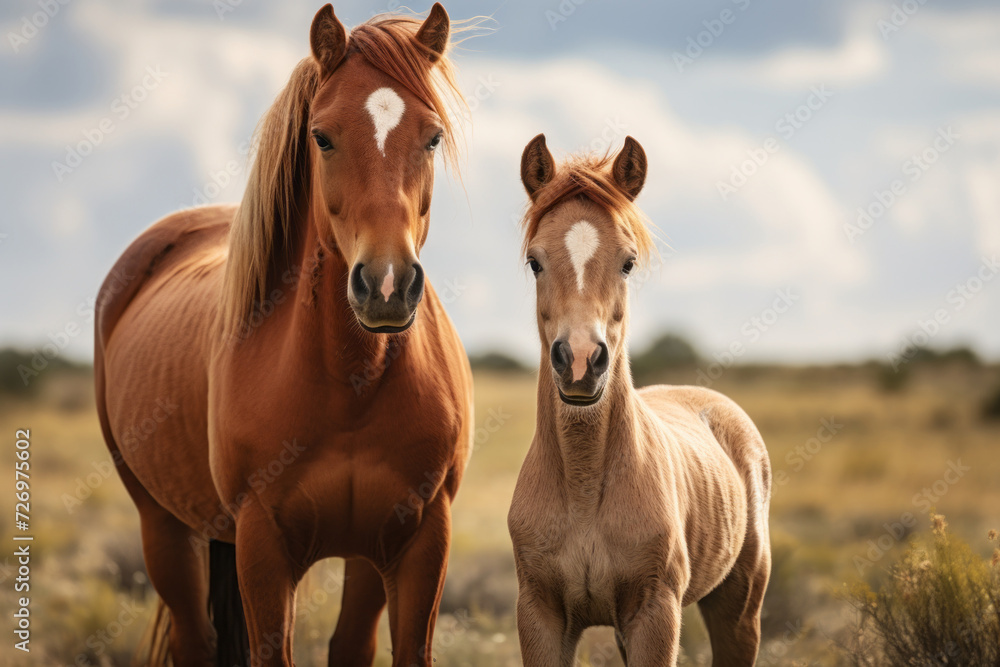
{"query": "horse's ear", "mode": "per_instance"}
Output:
(537, 165)
(629, 169)
(434, 32)
(328, 40)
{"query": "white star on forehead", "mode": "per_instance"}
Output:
(581, 242)
(386, 108)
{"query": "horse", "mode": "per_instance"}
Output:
(316, 400)
(630, 504)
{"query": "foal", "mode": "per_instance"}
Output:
(630, 504)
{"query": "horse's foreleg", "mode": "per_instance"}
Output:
(652, 636)
(267, 580)
(353, 642)
(413, 586)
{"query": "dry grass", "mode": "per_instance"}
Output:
(833, 505)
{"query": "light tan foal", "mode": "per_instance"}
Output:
(630, 504)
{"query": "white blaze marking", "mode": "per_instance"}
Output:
(582, 347)
(387, 286)
(581, 242)
(386, 109)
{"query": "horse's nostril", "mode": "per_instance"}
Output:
(600, 363)
(416, 289)
(562, 356)
(358, 285)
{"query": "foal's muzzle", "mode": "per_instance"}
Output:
(585, 390)
(385, 298)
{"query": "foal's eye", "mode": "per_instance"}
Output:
(322, 142)
(627, 268)
(434, 142)
(536, 268)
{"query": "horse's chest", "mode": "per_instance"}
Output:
(588, 567)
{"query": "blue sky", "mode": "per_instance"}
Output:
(768, 125)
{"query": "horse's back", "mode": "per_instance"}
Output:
(729, 423)
(155, 319)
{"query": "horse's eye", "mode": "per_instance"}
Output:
(321, 141)
(627, 268)
(536, 268)
(434, 142)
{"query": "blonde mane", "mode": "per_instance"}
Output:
(281, 167)
(589, 177)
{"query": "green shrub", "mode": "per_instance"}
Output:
(940, 605)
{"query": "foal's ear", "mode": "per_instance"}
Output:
(537, 165)
(434, 32)
(328, 40)
(629, 170)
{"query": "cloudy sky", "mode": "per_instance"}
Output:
(837, 159)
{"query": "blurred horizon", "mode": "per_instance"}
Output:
(823, 175)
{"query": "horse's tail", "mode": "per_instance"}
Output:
(154, 649)
(233, 642)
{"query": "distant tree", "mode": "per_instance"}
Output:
(16, 366)
(991, 406)
(668, 351)
(496, 361)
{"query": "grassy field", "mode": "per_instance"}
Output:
(854, 460)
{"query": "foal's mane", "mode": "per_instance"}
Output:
(589, 177)
(281, 168)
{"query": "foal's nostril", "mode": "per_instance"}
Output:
(416, 289)
(562, 356)
(599, 364)
(358, 285)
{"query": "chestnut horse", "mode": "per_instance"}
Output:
(630, 504)
(303, 423)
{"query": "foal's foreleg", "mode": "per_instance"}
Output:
(732, 610)
(541, 629)
(413, 586)
(267, 584)
(652, 635)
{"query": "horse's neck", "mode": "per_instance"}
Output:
(325, 328)
(589, 443)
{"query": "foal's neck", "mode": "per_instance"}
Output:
(592, 442)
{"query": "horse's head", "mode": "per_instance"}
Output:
(375, 122)
(349, 145)
(583, 236)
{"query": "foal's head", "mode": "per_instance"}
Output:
(583, 236)
(375, 122)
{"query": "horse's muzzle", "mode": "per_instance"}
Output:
(586, 390)
(383, 300)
